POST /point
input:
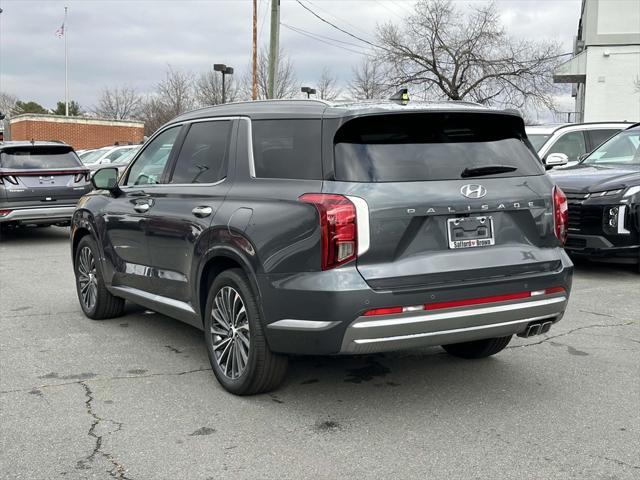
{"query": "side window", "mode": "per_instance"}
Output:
(599, 136)
(287, 148)
(150, 164)
(204, 154)
(572, 144)
(114, 155)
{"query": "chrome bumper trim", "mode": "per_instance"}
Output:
(455, 330)
(38, 213)
(457, 314)
(292, 324)
(133, 293)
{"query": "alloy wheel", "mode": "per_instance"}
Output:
(87, 278)
(230, 332)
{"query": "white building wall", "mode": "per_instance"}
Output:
(610, 90)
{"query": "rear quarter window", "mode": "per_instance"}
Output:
(432, 146)
(287, 148)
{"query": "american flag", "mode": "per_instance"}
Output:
(60, 31)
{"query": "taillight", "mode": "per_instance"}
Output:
(337, 227)
(9, 178)
(4, 213)
(81, 176)
(560, 214)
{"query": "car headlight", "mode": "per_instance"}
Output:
(631, 191)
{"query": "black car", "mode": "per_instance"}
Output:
(306, 227)
(40, 183)
(603, 193)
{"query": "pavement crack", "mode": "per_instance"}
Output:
(569, 332)
(619, 462)
(106, 379)
(118, 470)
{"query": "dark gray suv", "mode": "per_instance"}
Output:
(306, 227)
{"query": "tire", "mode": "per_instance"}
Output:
(95, 300)
(478, 348)
(238, 350)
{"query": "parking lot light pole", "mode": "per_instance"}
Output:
(308, 90)
(222, 68)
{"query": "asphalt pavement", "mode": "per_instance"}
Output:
(134, 397)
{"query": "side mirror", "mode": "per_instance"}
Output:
(555, 160)
(106, 179)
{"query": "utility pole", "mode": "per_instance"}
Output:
(273, 46)
(66, 67)
(254, 53)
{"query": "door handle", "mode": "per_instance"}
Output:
(142, 207)
(202, 212)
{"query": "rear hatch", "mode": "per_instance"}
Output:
(452, 198)
(42, 173)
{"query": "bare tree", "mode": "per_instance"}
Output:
(369, 80)
(286, 85)
(7, 103)
(636, 84)
(327, 86)
(118, 103)
(458, 56)
(173, 96)
(208, 88)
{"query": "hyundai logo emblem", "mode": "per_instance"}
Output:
(473, 191)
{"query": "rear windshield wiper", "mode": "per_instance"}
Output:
(486, 170)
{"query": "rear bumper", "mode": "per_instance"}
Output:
(322, 312)
(39, 214)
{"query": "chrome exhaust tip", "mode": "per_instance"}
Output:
(545, 327)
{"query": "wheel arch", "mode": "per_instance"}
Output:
(218, 260)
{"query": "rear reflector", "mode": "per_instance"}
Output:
(463, 303)
(4, 213)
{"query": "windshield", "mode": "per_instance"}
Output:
(537, 140)
(125, 159)
(418, 147)
(93, 156)
(37, 158)
(623, 149)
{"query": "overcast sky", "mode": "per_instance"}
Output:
(131, 42)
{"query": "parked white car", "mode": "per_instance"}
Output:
(564, 145)
(107, 155)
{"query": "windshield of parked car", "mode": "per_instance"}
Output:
(28, 158)
(94, 156)
(125, 158)
(623, 149)
(537, 140)
(442, 146)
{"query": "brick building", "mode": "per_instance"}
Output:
(79, 132)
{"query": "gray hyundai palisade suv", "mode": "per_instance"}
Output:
(306, 227)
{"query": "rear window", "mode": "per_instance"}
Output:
(41, 157)
(287, 148)
(418, 147)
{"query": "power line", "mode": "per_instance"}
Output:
(292, 27)
(337, 27)
(314, 37)
(338, 18)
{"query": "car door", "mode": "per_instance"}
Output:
(126, 218)
(184, 208)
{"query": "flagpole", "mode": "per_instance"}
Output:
(66, 67)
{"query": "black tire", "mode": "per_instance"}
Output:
(104, 305)
(263, 370)
(478, 348)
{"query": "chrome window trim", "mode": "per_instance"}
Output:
(180, 124)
